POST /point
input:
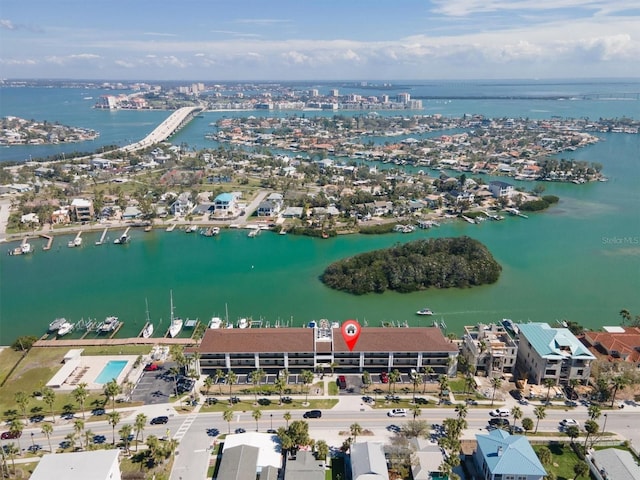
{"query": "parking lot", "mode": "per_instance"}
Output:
(154, 386)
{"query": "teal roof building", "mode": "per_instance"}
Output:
(501, 456)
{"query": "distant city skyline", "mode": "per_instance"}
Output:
(302, 40)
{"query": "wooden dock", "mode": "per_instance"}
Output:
(49, 239)
(85, 342)
(171, 227)
(103, 236)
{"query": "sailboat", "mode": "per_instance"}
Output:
(176, 322)
(147, 331)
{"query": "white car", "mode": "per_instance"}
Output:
(569, 422)
(397, 412)
(500, 412)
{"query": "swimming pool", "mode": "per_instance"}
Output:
(111, 370)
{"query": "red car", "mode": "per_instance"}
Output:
(384, 377)
(9, 435)
(152, 367)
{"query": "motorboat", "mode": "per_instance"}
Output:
(122, 239)
(243, 323)
(109, 324)
(215, 322)
(56, 324)
(424, 311)
(65, 328)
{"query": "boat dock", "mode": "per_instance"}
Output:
(112, 341)
(171, 227)
(49, 239)
(103, 236)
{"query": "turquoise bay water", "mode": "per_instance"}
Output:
(580, 260)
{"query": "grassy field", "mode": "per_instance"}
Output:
(248, 405)
(8, 359)
(563, 460)
(34, 371)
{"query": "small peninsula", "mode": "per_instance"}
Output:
(440, 262)
(18, 131)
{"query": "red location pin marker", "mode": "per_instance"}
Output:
(351, 332)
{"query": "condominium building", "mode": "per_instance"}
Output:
(295, 349)
(489, 349)
(545, 352)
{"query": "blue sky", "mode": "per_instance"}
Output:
(319, 40)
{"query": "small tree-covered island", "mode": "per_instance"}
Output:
(438, 262)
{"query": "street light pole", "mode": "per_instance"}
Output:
(604, 426)
(271, 415)
(32, 442)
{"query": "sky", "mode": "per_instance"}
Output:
(319, 40)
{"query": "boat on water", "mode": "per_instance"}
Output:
(243, 323)
(148, 228)
(76, 242)
(254, 232)
(65, 328)
(424, 311)
(147, 331)
(122, 239)
(56, 324)
(176, 323)
(215, 322)
(508, 324)
(110, 324)
(23, 249)
(191, 229)
(210, 232)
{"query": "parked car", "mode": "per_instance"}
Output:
(369, 400)
(500, 412)
(384, 377)
(397, 412)
(342, 382)
(151, 367)
(159, 420)
(11, 434)
(312, 414)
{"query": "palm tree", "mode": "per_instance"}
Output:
(394, 377)
(219, 375)
(469, 384)
(366, 381)
(545, 456)
(256, 378)
(125, 435)
(80, 395)
(443, 384)
(12, 451)
(78, 428)
(111, 391)
(47, 430)
(572, 432)
(581, 468)
(549, 382)
(540, 413)
(16, 427)
(416, 379)
(22, 399)
(49, 397)
(287, 417)
(415, 410)
(280, 384)
(208, 383)
(428, 371)
(257, 415)
(227, 415)
(231, 379)
(594, 412)
(307, 379)
(174, 372)
(114, 419)
(527, 424)
(591, 427)
(626, 315)
(355, 429)
(617, 383)
(516, 413)
(496, 383)
(322, 450)
(138, 425)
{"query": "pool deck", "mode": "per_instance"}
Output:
(90, 367)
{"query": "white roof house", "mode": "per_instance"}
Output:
(93, 465)
(368, 461)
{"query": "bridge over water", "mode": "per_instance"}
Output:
(168, 127)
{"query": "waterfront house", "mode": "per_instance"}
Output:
(489, 349)
(615, 344)
(81, 210)
(500, 189)
(368, 462)
(551, 353)
(29, 218)
(226, 205)
(295, 349)
(183, 205)
(501, 456)
(271, 206)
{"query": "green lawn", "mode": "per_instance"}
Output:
(247, 405)
(563, 460)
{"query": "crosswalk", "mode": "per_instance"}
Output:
(182, 430)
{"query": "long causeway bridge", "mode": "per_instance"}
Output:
(168, 127)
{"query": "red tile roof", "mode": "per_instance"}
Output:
(627, 343)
